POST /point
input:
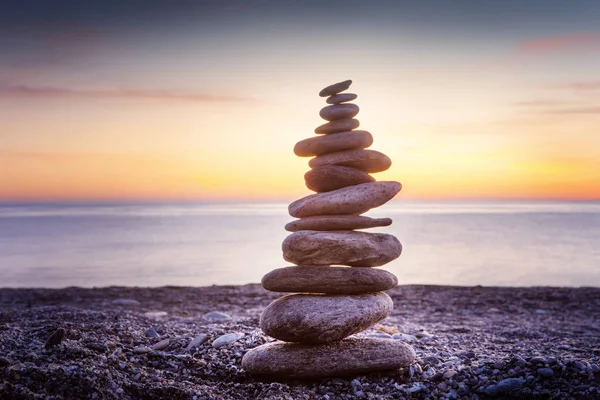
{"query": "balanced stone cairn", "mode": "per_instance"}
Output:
(331, 303)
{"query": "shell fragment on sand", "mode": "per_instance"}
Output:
(344, 358)
(333, 142)
(319, 318)
(339, 111)
(335, 88)
(357, 249)
(351, 200)
(330, 280)
(333, 177)
(336, 223)
(365, 160)
(339, 125)
(341, 98)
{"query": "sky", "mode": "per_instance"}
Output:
(204, 100)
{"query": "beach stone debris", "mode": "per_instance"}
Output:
(357, 249)
(404, 336)
(227, 339)
(333, 177)
(126, 302)
(339, 111)
(4, 362)
(151, 333)
(331, 280)
(216, 316)
(319, 325)
(333, 142)
(351, 200)
(365, 160)
(197, 341)
(335, 88)
(56, 338)
(339, 125)
(142, 349)
(163, 344)
(336, 223)
(341, 98)
(315, 318)
(504, 386)
(342, 358)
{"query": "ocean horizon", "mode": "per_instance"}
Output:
(516, 243)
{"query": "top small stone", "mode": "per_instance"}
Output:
(335, 88)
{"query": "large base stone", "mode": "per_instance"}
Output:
(343, 358)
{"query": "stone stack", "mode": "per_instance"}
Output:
(330, 302)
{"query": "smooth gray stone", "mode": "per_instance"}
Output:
(351, 200)
(335, 88)
(336, 223)
(339, 111)
(341, 98)
(216, 316)
(365, 160)
(339, 125)
(344, 358)
(333, 142)
(333, 177)
(357, 249)
(330, 280)
(321, 318)
(227, 339)
(197, 341)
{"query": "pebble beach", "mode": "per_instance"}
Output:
(187, 343)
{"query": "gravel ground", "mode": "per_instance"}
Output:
(124, 343)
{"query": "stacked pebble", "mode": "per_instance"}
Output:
(333, 302)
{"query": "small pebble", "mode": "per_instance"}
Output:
(198, 340)
(216, 316)
(142, 350)
(155, 314)
(545, 372)
(163, 344)
(151, 333)
(433, 360)
(125, 302)
(56, 338)
(4, 362)
(227, 339)
(380, 335)
(504, 386)
(405, 337)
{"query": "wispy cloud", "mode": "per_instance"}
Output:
(540, 103)
(53, 92)
(560, 43)
(582, 85)
(593, 110)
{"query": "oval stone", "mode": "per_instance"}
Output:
(339, 125)
(357, 249)
(335, 88)
(336, 223)
(339, 111)
(366, 160)
(319, 318)
(330, 280)
(318, 145)
(341, 98)
(351, 200)
(349, 357)
(333, 177)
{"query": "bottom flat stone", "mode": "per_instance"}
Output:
(343, 358)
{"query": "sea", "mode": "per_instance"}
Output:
(201, 244)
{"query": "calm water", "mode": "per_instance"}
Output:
(150, 245)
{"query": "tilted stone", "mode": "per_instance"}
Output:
(336, 223)
(358, 249)
(333, 177)
(341, 98)
(365, 160)
(351, 200)
(319, 318)
(330, 280)
(335, 88)
(339, 125)
(339, 111)
(318, 145)
(344, 358)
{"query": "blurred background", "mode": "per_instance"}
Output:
(150, 142)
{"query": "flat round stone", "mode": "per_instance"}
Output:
(341, 98)
(357, 249)
(339, 111)
(335, 88)
(348, 357)
(339, 125)
(351, 200)
(366, 160)
(336, 223)
(320, 318)
(333, 142)
(330, 280)
(333, 177)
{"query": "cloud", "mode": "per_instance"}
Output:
(582, 85)
(536, 103)
(557, 44)
(592, 110)
(51, 92)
